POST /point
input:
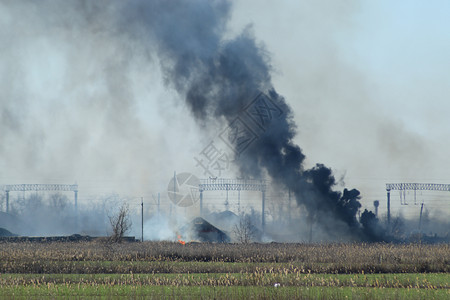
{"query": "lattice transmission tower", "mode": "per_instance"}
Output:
(39, 187)
(221, 184)
(403, 187)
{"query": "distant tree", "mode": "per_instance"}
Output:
(27, 207)
(120, 224)
(244, 230)
(58, 202)
(397, 227)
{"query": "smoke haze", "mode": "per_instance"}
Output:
(88, 95)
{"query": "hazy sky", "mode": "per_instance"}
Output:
(368, 82)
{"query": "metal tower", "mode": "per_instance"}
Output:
(222, 184)
(40, 187)
(402, 187)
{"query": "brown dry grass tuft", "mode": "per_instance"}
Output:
(148, 257)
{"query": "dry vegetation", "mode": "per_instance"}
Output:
(168, 257)
(224, 271)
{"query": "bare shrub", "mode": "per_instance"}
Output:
(244, 231)
(120, 224)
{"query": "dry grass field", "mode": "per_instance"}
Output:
(224, 271)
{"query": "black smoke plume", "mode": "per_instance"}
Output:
(372, 227)
(218, 77)
(216, 73)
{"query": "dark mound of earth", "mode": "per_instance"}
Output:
(5, 232)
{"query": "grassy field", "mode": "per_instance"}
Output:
(225, 271)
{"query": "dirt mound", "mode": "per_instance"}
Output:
(201, 230)
(11, 222)
(4, 232)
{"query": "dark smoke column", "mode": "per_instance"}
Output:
(218, 78)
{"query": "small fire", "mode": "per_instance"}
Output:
(180, 240)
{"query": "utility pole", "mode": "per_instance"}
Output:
(76, 200)
(76, 209)
(159, 203)
(289, 205)
(7, 201)
(201, 202)
(142, 219)
(226, 201)
(239, 201)
(263, 219)
(420, 219)
(389, 208)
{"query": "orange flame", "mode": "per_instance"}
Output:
(180, 240)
